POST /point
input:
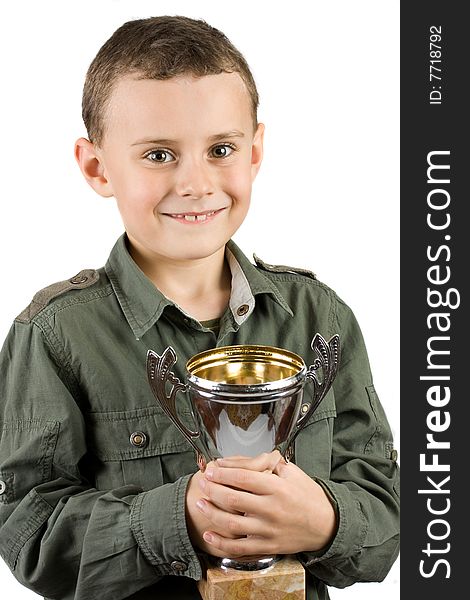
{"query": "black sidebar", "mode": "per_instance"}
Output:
(435, 238)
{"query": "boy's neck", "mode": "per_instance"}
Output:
(200, 287)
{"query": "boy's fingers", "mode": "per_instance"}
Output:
(246, 546)
(232, 500)
(247, 480)
(232, 525)
(211, 465)
(267, 461)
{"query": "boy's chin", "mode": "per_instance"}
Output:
(199, 253)
(197, 249)
(178, 250)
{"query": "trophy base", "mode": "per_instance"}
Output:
(285, 579)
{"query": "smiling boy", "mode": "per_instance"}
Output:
(99, 494)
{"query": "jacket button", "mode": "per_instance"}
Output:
(3, 487)
(78, 279)
(138, 439)
(394, 455)
(242, 310)
(179, 566)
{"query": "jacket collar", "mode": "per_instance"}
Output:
(143, 304)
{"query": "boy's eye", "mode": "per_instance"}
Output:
(159, 156)
(222, 150)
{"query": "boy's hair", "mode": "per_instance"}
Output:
(159, 48)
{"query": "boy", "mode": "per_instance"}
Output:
(98, 493)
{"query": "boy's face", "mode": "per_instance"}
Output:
(180, 157)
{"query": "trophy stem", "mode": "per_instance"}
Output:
(249, 563)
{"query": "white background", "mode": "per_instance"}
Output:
(326, 198)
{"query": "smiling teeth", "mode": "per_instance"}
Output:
(193, 218)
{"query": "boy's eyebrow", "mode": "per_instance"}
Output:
(160, 142)
(228, 134)
(213, 138)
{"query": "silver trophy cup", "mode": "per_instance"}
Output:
(245, 400)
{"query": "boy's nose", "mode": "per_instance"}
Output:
(194, 180)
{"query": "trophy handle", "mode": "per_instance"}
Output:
(159, 373)
(328, 361)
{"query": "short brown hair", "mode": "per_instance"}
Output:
(159, 48)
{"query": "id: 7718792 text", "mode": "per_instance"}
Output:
(435, 64)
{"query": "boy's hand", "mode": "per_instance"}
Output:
(262, 506)
(197, 523)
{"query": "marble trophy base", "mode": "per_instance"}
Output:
(285, 580)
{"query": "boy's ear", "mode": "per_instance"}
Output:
(92, 167)
(257, 151)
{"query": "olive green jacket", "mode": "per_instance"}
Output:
(88, 510)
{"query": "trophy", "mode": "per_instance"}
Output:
(245, 400)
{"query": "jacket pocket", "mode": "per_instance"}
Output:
(139, 447)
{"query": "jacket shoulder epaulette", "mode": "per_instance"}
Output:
(282, 268)
(41, 299)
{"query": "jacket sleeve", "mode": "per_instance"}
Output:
(364, 480)
(61, 537)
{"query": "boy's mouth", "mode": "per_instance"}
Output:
(195, 217)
